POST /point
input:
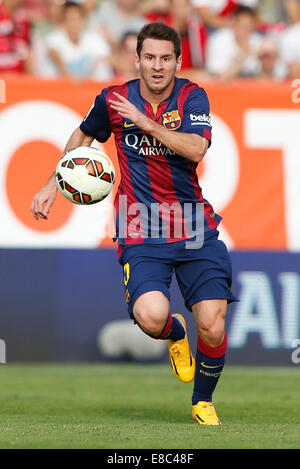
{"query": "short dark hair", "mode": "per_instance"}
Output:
(160, 31)
(244, 10)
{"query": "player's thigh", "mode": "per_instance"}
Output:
(147, 280)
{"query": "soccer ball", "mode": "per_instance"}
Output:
(85, 175)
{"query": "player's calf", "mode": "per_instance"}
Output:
(210, 357)
(151, 313)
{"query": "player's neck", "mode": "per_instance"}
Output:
(153, 96)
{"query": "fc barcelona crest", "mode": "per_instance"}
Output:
(171, 120)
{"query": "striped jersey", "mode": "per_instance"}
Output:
(159, 199)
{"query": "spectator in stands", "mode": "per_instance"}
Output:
(15, 50)
(116, 18)
(53, 17)
(276, 15)
(271, 11)
(42, 63)
(36, 10)
(77, 52)
(123, 59)
(155, 10)
(271, 67)
(290, 45)
(232, 52)
(216, 14)
(90, 5)
(181, 16)
(292, 9)
(184, 19)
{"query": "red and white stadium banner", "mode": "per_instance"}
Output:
(251, 173)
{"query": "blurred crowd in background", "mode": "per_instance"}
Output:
(96, 39)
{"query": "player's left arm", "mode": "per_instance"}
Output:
(189, 145)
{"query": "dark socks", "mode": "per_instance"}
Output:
(209, 366)
(173, 329)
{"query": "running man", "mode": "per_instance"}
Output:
(162, 131)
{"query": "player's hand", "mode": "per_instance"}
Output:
(42, 201)
(129, 111)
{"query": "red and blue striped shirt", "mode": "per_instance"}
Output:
(159, 195)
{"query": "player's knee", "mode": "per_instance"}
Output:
(151, 322)
(212, 332)
(211, 322)
(214, 337)
(151, 312)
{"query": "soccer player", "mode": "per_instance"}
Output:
(162, 131)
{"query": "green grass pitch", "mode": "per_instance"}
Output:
(144, 406)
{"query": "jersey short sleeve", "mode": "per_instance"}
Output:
(196, 118)
(96, 123)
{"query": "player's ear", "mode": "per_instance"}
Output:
(179, 64)
(137, 62)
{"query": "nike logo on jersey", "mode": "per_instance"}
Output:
(209, 366)
(127, 124)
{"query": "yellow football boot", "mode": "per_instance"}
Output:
(205, 413)
(181, 360)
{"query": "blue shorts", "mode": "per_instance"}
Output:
(202, 274)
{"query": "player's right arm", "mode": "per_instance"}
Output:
(95, 125)
(45, 198)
